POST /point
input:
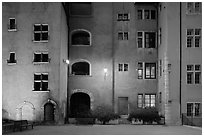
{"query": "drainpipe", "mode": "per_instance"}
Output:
(180, 59)
(113, 61)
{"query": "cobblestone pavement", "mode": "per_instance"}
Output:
(110, 130)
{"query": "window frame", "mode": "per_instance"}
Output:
(9, 61)
(78, 61)
(41, 81)
(143, 14)
(9, 25)
(82, 45)
(40, 32)
(121, 67)
(150, 100)
(121, 17)
(193, 109)
(142, 70)
(193, 12)
(150, 75)
(140, 103)
(123, 38)
(143, 37)
(41, 58)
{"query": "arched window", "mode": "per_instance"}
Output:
(81, 37)
(81, 68)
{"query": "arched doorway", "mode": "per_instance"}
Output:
(49, 112)
(79, 103)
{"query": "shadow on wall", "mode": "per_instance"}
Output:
(5, 114)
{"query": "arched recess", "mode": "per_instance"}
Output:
(88, 93)
(25, 111)
(81, 37)
(48, 104)
(81, 67)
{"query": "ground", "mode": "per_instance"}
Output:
(110, 130)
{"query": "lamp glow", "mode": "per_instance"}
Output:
(66, 61)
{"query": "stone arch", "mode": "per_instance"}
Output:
(80, 60)
(78, 31)
(88, 93)
(54, 105)
(25, 110)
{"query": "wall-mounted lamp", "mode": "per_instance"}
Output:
(105, 70)
(66, 61)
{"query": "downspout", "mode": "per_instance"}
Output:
(180, 59)
(113, 61)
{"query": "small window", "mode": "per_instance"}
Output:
(140, 70)
(140, 100)
(150, 70)
(12, 58)
(139, 14)
(189, 109)
(160, 67)
(153, 14)
(147, 14)
(41, 32)
(81, 68)
(41, 57)
(139, 39)
(12, 24)
(190, 67)
(81, 37)
(194, 109)
(120, 35)
(193, 7)
(197, 68)
(197, 109)
(126, 17)
(125, 67)
(189, 77)
(125, 35)
(120, 17)
(41, 82)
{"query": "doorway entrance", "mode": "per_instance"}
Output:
(49, 112)
(123, 105)
(79, 103)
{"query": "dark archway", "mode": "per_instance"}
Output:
(79, 103)
(49, 112)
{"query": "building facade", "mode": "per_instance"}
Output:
(125, 55)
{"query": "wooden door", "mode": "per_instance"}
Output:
(49, 112)
(123, 105)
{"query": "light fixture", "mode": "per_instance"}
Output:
(66, 61)
(105, 72)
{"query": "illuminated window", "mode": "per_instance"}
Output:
(81, 37)
(140, 100)
(41, 82)
(140, 70)
(150, 100)
(81, 68)
(150, 70)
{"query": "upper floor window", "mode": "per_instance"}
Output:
(150, 70)
(80, 8)
(41, 82)
(81, 37)
(12, 24)
(123, 35)
(12, 58)
(123, 67)
(193, 74)
(41, 57)
(140, 70)
(193, 38)
(193, 7)
(41, 33)
(146, 39)
(80, 68)
(146, 14)
(123, 17)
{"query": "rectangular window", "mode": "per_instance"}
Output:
(41, 57)
(197, 74)
(150, 40)
(190, 68)
(189, 109)
(122, 35)
(125, 67)
(12, 58)
(139, 39)
(120, 67)
(160, 37)
(147, 14)
(150, 100)
(189, 77)
(160, 67)
(139, 14)
(193, 7)
(41, 32)
(41, 82)
(150, 70)
(126, 16)
(140, 70)
(12, 24)
(194, 74)
(197, 37)
(140, 100)
(153, 14)
(193, 38)
(194, 109)
(120, 17)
